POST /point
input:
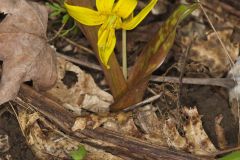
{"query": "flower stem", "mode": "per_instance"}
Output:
(124, 53)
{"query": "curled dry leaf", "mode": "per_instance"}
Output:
(174, 139)
(79, 124)
(92, 121)
(159, 130)
(197, 139)
(164, 131)
(121, 122)
(44, 143)
(24, 49)
(221, 139)
(211, 54)
(81, 94)
(206, 48)
(4, 142)
(48, 143)
(148, 121)
(127, 128)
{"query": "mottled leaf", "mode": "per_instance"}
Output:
(126, 94)
(153, 55)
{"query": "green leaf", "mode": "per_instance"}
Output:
(232, 156)
(51, 6)
(65, 18)
(79, 154)
(151, 58)
(65, 32)
(55, 13)
(56, 5)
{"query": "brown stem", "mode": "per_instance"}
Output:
(114, 75)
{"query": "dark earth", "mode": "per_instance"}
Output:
(19, 150)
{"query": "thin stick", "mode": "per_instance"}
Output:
(76, 44)
(80, 62)
(124, 53)
(222, 82)
(57, 33)
(149, 100)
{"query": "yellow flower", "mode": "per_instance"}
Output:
(110, 15)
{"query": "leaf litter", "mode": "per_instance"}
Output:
(25, 53)
(147, 123)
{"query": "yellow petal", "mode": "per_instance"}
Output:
(106, 44)
(128, 25)
(105, 6)
(85, 15)
(124, 8)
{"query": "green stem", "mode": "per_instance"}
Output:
(124, 53)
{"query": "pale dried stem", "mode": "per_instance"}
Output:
(57, 33)
(124, 53)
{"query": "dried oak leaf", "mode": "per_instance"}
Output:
(4, 142)
(48, 143)
(197, 139)
(221, 138)
(82, 94)
(160, 130)
(24, 50)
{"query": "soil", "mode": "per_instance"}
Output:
(19, 150)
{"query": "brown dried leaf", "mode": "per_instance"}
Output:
(127, 128)
(42, 144)
(148, 120)
(24, 49)
(197, 139)
(210, 53)
(49, 144)
(4, 142)
(164, 131)
(92, 121)
(221, 139)
(79, 124)
(159, 130)
(82, 94)
(174, 139)
(122, 123)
